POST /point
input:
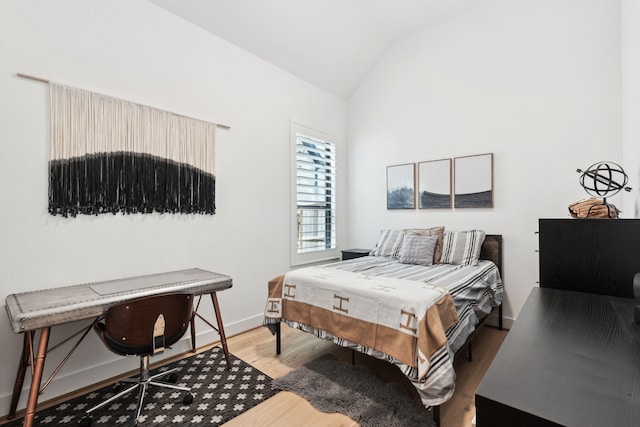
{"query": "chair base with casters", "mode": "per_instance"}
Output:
(143, 383)
(145, 327)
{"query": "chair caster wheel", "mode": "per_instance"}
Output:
(85, 421)
(188, 399)
(172, 378)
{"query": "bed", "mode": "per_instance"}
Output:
(412, 315)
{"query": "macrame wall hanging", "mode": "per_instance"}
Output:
(109, 155)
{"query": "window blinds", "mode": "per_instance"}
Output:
(315, 194)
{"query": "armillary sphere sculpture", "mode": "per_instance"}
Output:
(604, 179)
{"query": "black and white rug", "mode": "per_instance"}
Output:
(219, 395)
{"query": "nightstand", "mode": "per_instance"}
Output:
(354, 253)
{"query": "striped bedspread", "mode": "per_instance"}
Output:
(398, 312)
(475, 289)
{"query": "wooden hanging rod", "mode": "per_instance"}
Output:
(40, 79)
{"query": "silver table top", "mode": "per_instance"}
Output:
(43, 308)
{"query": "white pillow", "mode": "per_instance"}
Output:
(462, 247)
(389, 243)
(418, 249)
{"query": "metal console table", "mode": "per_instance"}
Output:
(30, 312)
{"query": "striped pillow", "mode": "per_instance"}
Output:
(433, 231)
(418, 249)
(462, 247)
(389, 244)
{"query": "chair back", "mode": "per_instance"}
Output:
(146, 325)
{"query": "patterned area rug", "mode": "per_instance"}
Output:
(335, 386)
(219, 395)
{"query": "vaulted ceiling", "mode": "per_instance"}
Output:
(330, 43)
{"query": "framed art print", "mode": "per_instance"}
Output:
(401, 186)
(434, 184)
(473, 181)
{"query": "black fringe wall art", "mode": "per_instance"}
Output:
(110, 155)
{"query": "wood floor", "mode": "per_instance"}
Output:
(285, 409)
(257, 347)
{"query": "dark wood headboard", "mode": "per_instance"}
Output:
(492, 250)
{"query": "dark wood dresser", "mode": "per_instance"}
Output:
(600, 256)
(572, 357)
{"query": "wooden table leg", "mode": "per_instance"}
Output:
(223, 338)
(193, 324)
(34, 391)
(22, 370)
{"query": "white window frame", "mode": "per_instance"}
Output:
(299, 258)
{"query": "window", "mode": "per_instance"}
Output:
(314, 184)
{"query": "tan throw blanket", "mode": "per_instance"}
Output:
(402, 318)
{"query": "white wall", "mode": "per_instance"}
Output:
(630, 14)
(139, 52)
(537, 83)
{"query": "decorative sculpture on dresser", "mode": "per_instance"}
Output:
(603, 179)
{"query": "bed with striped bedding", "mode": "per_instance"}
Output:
(475, 291)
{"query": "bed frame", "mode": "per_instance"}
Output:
(491, 250)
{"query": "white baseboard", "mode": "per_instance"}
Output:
(507, 322)
(67, 381)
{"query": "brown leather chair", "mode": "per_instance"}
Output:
(144, 327)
